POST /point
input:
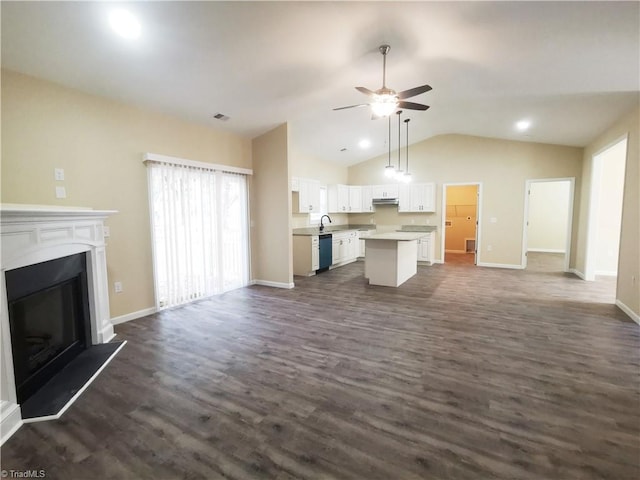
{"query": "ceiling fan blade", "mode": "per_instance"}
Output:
(412, 106)
(366, 91)
(352, 106)
(412, 92)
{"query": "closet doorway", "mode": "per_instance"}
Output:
(460, 228)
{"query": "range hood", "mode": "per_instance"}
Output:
(385, 201)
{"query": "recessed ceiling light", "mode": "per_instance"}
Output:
(124, 23)
(364, 143)
(523, 125)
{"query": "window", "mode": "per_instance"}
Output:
(199, 228)
(314, 218)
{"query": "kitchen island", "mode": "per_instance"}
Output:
(391, 258)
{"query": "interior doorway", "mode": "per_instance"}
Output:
(548, 217)
(460, 223)
(605, 210)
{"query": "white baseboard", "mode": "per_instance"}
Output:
(546, 250)
(577, 273)
(604, 273)
(106, 334)
(634, 316)
(133, 315)
(268, 283)
(11, 420)
(501, 265)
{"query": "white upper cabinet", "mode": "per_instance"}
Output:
(308, 196)
(355, 199)
(417, 197)
(367, 197)
(338, 199)
(385, 191)
(404, 198)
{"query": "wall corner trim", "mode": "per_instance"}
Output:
(633, 315)
(578, 273)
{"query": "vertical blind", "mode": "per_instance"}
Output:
(199, 222)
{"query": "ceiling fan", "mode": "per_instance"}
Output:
(386, 100)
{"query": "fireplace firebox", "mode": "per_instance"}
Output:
(49, 319)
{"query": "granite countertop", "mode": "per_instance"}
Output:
(398, 236)
(418, 228)
(309, 231)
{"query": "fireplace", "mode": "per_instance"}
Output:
(48, 318)
(54, 300)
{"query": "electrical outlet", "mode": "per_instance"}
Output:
(61, 192)
(106, 232)
(117, 287)
(58, 174)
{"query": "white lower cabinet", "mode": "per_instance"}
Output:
(345, 247)
(426, 249)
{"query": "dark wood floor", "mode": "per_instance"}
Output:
(461, 373)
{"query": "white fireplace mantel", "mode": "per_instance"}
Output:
(31, 234)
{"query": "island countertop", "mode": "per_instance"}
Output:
(397, 236)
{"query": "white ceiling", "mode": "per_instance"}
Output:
(571, 68)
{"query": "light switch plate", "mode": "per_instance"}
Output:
(58, 173)
(61, 192)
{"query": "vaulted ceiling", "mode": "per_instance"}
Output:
(570, 68)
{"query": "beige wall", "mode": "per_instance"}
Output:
(548, 216)
(501, 166)
(100, 144)
(271, 209)
(628, 288)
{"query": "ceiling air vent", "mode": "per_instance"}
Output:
(221, 116)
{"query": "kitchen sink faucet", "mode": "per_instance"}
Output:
(321, 224)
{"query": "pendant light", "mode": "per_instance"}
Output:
(406, 178)
(389, 170)
(399, 172)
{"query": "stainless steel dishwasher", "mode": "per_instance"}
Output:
(326, 252)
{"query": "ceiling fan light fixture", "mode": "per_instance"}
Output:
(384, 105)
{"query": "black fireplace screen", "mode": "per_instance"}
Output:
(49, 319)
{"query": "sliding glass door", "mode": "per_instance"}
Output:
(199, 222)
